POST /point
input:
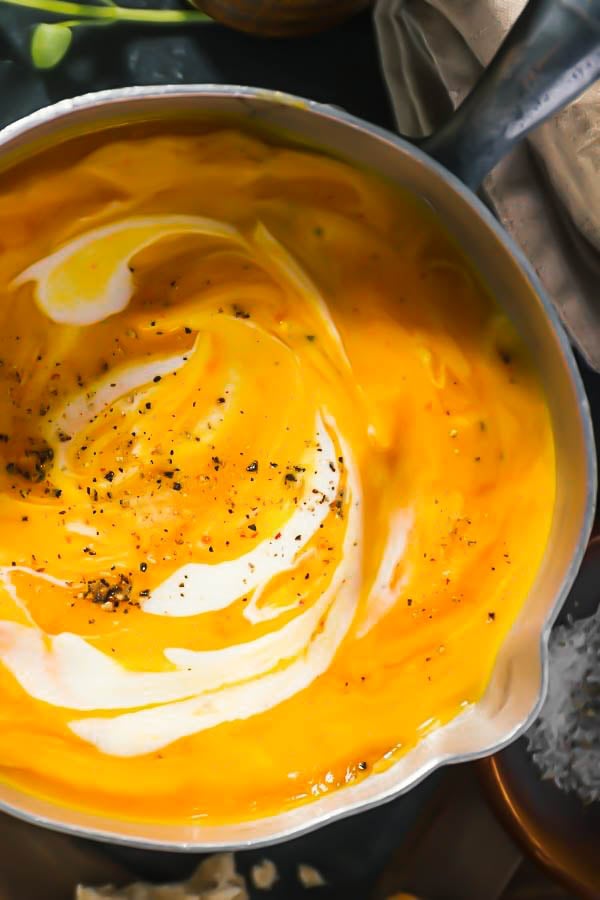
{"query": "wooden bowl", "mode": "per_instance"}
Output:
(281, 18)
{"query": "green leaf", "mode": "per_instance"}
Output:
(49, 43)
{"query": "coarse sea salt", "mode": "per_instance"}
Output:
(564, 741)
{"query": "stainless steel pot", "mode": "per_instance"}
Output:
(551, 56)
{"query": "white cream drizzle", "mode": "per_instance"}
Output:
(66, 670)
(384, 590)
(88, 278)
(150, 729)
(86, 404)
(208, 588)
(235, 682)
(201, 689)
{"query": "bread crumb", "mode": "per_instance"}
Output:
(214, 879)
(310, 877)
(264, 875)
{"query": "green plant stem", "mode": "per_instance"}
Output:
(111, 13)
(75, 23)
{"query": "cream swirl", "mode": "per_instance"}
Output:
(202, 688)
(236, 682)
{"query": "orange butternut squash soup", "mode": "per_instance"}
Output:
(276, 474)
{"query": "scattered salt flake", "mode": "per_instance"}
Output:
(564, 741)
(309, 877)
(264, 875)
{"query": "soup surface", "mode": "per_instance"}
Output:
(276, 475)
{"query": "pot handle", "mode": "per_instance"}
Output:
(551, 55)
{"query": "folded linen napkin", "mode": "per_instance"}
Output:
(547, 192)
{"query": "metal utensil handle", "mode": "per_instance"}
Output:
(551, 55)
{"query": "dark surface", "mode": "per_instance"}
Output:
(349, 854)
(340, 67)
(556, 828)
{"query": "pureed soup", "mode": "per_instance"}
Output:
(276, 475)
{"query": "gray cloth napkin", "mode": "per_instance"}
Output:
(547, 192)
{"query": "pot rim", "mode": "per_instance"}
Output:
(50, 814)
